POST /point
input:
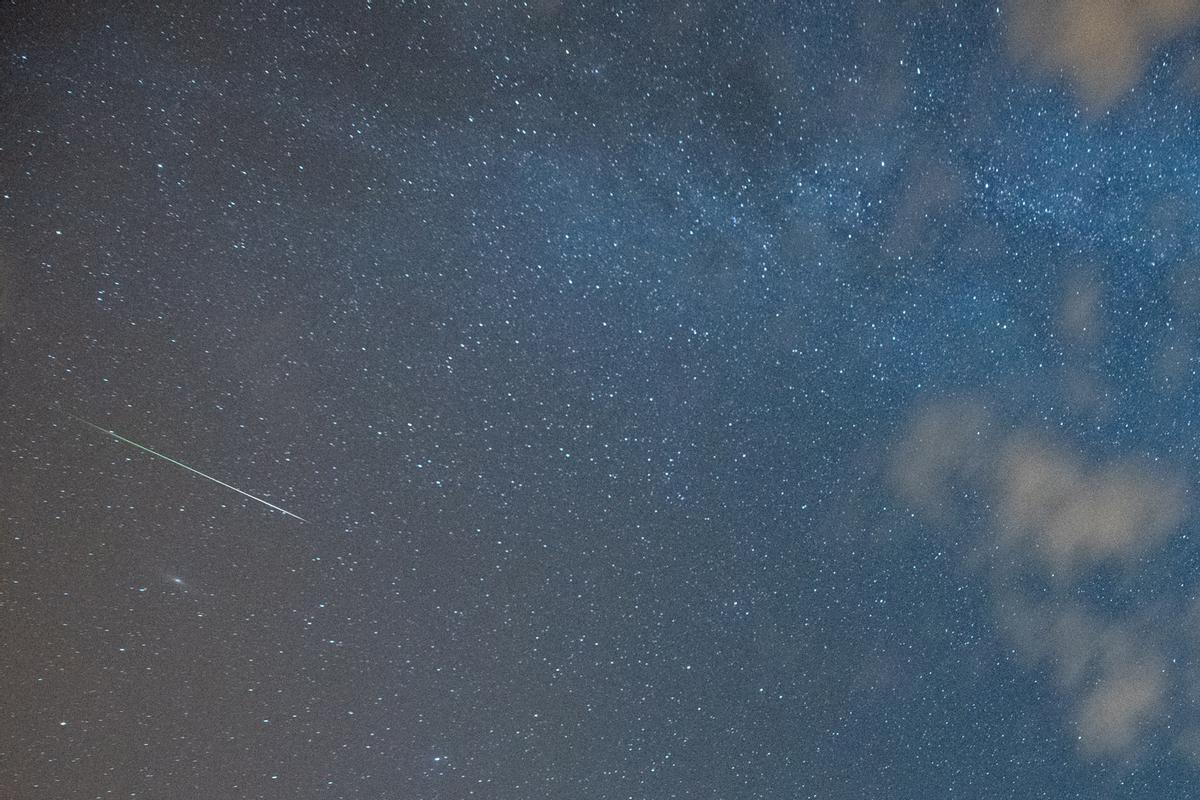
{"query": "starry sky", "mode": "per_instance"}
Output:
(683, 399)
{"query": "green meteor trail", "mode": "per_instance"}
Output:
(156, 454)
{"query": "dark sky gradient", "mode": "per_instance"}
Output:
(686, 400)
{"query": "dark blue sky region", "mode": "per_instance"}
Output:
(682, 399)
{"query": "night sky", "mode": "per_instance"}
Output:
(682, 399)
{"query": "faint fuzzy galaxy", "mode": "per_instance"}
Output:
(685, 399)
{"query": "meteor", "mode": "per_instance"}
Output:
(121, 438)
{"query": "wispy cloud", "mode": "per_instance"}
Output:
(1052, 515)
(1100, 46)
(1051, 518)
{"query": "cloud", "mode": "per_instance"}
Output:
(1070, 516)
(1113, 671)
(1082, 319)
(1053, 517)
(1125, 700)
(933, 188)
(1100, 46)
(1067, 515)
(946, 445)
(1178, 349)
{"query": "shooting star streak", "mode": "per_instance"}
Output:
(121, 438)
